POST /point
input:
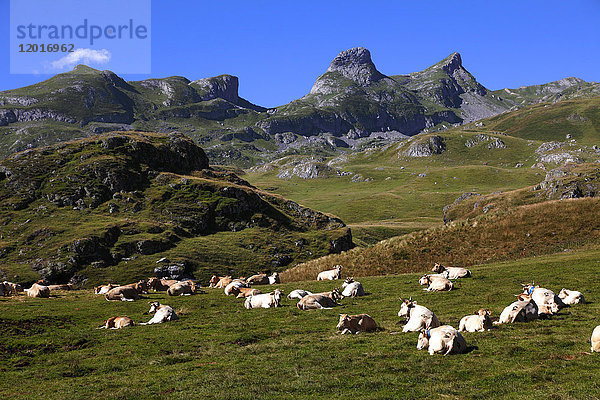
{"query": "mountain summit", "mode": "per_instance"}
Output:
(356, 64)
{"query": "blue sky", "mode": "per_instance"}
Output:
(279, 48)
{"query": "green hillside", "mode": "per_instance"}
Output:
(108, 207)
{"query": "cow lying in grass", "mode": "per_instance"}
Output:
(182, 288)
(356, 323)
(263, 279)
(352, 288)
(122, 293)
(103, 289)
(451, 272)
(9, 288)
(522, 310)
(546, 300)
(37, 290)
(117, 323)
(157, 284)
(331, 274)
(236, 283)
(417, 317)
(442, 340)
(298, 294)
(596, 339)
(268, 300)
(479, 322)
(162, 313)
(245, 292)
(319, 301)
(571, 297)
(436, 283)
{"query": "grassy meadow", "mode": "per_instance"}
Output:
(51, 349)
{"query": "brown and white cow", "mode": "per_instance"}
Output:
(320, 301)
(122, 293)
(436, 283)
(479, 322)
(37, 290)
(103, 289)
(157, 284)
(117, 323)
(245, 292)
(183, 288)
(356, 323)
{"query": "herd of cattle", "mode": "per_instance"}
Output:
(533, 303)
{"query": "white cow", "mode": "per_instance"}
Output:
(544, 298)
(331, 274)
(436, 283)
(571, 297)
(479, 322)
(596, 339)
(522, 310)
(417, 317)
(352, 288)
(298, 294)
(268, 300)
(162, 313)
(452, 272)
(442, 340)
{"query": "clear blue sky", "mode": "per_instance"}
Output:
(279, 48)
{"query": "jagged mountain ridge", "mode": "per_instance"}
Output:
(351, 105)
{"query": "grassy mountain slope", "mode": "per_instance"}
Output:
(108, 207)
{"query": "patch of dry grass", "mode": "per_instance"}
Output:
(524, 231)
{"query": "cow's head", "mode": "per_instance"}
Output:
(344, 322)
(423, 341)
(425, 280)
(338, 267)
(153, 307)
(405, 307)
(153, 283)
(213, 281)
(336, 295)
(277, 296)
(529, 288)
(484, 312)
(563, 293)
(438, 268)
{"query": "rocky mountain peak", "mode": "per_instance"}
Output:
(223, 86)
(356, 64)
(452, 63)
